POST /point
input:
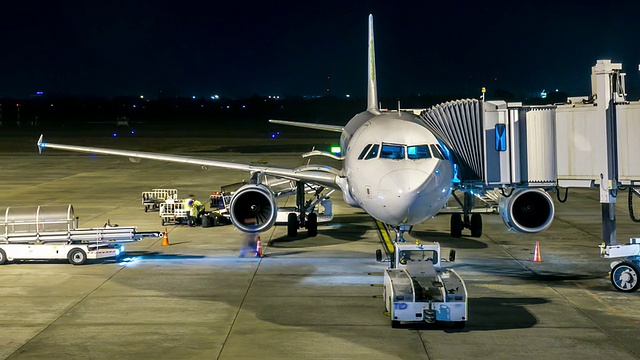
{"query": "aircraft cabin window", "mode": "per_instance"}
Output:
(418, 152)
(395, 152)
(364, 152)
(437, 153)
(373, 153)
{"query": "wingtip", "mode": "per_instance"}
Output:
(41, 144)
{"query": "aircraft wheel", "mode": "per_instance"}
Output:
(292, 225)
(3, 257)
(624, 277)
(312, 225)
(476, 225)
(456, 225)
(77, 257)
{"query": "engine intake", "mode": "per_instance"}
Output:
(527, 210)
(253, 208)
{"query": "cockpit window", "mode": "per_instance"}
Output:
(437, 152)
(418, 152)
(389, 151)
(364, 152)
(373, 153)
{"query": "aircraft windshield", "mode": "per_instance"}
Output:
(418, 152)
(389, 151)
(407, 256)
(373, 153)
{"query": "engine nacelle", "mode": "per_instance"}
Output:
(527, 210)
(253, 208)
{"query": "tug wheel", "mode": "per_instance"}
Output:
(624, 277)
(77, 256)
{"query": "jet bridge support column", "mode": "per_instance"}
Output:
(607, 77)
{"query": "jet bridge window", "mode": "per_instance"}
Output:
(390, 151)
(418, 152)
(373, 153)
(364, 152)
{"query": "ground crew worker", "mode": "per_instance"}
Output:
(188, 201)
(197, 209)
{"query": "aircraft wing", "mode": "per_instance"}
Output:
(317, 174)
(325, 127)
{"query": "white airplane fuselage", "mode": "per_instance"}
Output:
(395, 169)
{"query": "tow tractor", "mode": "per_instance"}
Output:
(47, 233)
(417, 289)
(624, 273)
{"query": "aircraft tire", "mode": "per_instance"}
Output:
(456, 225)
(312, 225)
(476, 225)
(625, 277)
(292, 225)
(3, 257)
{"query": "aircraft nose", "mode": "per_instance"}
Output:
(400, 189)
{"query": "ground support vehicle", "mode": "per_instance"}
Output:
(151, 200)
(625, 273)
(418, 290)
(43, 233)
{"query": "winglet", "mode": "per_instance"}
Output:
(372, 94)
(41, 144)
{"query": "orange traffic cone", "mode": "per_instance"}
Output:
(165, 238)
(536, 253)
(259, 247)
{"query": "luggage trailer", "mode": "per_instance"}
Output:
(48, 233)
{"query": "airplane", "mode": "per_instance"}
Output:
(393, 167)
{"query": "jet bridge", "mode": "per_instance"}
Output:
(589, 142)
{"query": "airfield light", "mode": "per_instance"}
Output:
(193, 97)
(115, 135)
(133, 132)
(348, 96)
(141, 96)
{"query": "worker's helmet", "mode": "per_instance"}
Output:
(190, 202)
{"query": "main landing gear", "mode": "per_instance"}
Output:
(305, 217)
(466, 220)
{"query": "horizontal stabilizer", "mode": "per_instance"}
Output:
(334, 128)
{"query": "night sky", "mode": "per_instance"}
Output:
(236, 49)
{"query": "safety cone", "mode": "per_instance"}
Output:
(536, 253)
(165, 238)
(259, 248)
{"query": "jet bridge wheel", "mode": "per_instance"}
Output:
(456, 225)
(476, 225)
(3, 257)
(292, 225)
(312, 224)
(77, 256)
(624, 277)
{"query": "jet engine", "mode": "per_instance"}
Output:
(527, 210)
(253, 208)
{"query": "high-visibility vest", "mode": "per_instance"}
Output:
(186, 206)
(196, 207)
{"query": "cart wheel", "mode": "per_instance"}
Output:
(456, 225)
(459, 324)
(146, 208)
(3, 257)
(395, 324)
(162, 221)
(624, 277)
(77, 256)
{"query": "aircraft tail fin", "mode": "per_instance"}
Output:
(372, 93)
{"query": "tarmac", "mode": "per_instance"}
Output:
(308, 298)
